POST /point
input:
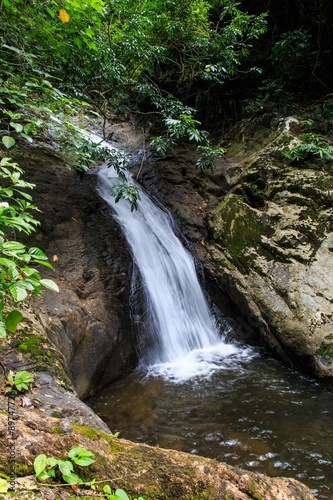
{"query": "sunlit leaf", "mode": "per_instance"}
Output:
(12, 320)
(40, 464)
(17, 126)
(18, 293)
(8, 141)
(121, 494)
(51, 285)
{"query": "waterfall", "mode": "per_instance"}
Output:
(185, 338)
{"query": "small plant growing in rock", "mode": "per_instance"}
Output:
(19, 382)
(47, 467)
(119, 494)
(311, 145)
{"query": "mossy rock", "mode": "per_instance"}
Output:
(239, 228)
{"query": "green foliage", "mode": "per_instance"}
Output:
(125, 51)
(291, 58)
(310, 145)
(128, 192)
(46, 468)
(208, 156)
(56, 469)
(19, 382)
(119, 494)
(17, 278)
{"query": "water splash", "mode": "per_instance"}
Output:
(185, 340)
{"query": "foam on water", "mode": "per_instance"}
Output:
(201, 363)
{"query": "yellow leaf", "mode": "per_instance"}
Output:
(64, 16)
(55, 258)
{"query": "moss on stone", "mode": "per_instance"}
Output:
(23, 470)
(325, 350)
(252, 490)
(87, 432)
(47, 358)
(90, 433)
(57, 430)
(239, 228)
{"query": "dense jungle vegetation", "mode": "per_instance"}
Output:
(155, 61)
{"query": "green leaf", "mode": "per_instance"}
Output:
(121, 494)
(18, 292)
(40, 464)
(44, 263)
(89, 33)
(24, 376)
(7, 262)
(78, 42)
(66, 468)
(43, 476)
(51, 285)
(28, 127)
(80, 452)
(17, 126)
(83, 461)
(8, 141)
(38, 253)
(21, 385)
(52, 461)
(14, 246)
(81, 456)
(72, 478)
(3, 485)
(50, 12)
(3, 333)
(12, 320)
(27, 137)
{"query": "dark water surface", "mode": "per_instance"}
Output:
(254, 413)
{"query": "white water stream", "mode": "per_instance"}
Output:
(186, 342)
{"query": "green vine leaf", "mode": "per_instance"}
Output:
(12, 320)
(8, 141)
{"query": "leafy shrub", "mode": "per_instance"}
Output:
(19, 382)
(17, 278)
(311, 145)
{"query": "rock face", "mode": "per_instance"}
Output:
(88, 320)
(264, 229)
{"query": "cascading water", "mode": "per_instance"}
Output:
(186, 341)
